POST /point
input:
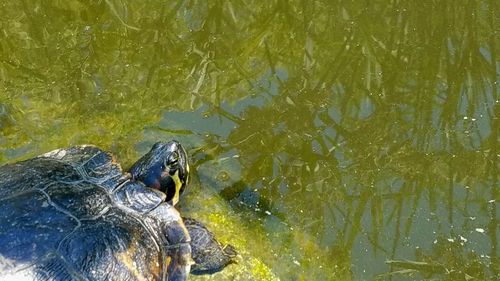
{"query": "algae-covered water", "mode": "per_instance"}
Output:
(330, 140)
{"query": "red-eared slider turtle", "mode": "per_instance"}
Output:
(72, 214)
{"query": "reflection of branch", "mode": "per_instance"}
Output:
(270, 59)
(239, 142)
(115, 13)
(417, 265)
(206, 60)
(357, 217)
(219, 110)
(337, 57)
(337, 127)
(175, 132)
(29, 71)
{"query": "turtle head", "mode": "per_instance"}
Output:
(165, 168)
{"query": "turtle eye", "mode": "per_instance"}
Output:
(173, 159)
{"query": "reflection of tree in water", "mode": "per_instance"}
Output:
(279, 148)
(448, 260)
(316, 174)
(395, 143)
(358, 120)
(319, 175)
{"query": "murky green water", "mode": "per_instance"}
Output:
(332, 140)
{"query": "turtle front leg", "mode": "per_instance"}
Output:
(209, 255)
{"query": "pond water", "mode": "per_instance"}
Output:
(330, 140)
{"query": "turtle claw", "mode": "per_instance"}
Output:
(230, 251)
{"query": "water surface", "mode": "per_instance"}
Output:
(331, 140)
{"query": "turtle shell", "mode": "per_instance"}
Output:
(71, 214)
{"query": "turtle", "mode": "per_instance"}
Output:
(73, 214)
